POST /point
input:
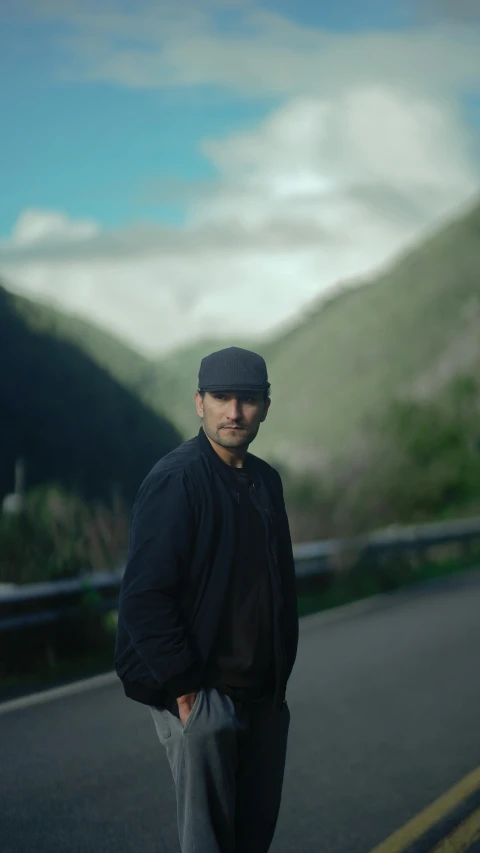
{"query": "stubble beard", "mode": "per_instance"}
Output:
(231, 439)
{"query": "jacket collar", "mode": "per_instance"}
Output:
(221, 466)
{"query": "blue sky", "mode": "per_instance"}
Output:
(87, 148)
(96, 143)
(96, 146)
(271, 148)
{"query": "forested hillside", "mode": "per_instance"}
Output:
(71, 421)
(405, 334)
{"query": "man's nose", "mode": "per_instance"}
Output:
(233, 410)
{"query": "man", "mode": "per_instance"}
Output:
(208, 623)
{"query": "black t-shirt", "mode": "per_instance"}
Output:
(242, 660)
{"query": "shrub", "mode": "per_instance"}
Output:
(59, 535)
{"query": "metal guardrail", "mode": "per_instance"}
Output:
(26, 605)
(315, 557)
(23, 606)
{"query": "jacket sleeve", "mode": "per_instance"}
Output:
(162, 533)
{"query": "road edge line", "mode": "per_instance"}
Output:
(104, 680)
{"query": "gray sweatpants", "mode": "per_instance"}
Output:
(228, 765)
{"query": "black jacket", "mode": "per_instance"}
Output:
(182, 541)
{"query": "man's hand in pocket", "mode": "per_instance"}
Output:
(185, 705)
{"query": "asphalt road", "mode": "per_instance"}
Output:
(385, 717)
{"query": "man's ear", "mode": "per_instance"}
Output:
(199, 404)
(266, 408)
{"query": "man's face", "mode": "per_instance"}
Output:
(232, 419)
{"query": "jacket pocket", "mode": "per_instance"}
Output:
(162, 723)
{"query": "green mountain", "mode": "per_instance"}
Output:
(404, 334)
(64, 414)
(109, 351)
(166, 384)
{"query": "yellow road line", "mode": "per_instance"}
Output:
(412, 830)
(462, 837)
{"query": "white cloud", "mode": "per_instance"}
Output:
(326, 188)
(49, 227)
(373, 137)
(182, 43)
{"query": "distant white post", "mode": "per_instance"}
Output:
(13, 503)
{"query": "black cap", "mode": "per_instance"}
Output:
(233, 369)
